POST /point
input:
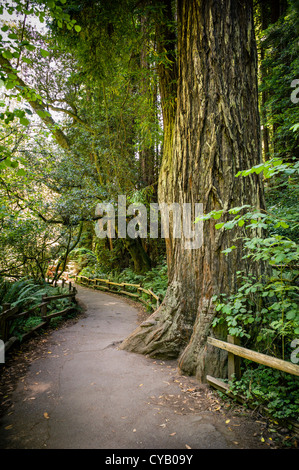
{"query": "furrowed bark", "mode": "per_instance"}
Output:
(216, 134)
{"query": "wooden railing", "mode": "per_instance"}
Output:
(235, 352)
(8, 315)
(120, 288)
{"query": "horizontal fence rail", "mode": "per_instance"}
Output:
(235, 352)
(260, 358)
(120, 288)
(8, 315)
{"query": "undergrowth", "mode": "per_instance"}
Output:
(25, 294)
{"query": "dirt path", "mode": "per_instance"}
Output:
(77, 390)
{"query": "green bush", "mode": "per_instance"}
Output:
(277, 391)
(155, 279)
(264, 309)
(25, 294)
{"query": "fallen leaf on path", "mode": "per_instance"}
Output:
(227, 421)
(134, 430)
(188, 447)
(172, 434)
(46, 416)
(9, 426)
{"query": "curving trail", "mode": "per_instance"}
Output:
(85, 393)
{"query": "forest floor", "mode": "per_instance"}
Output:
(72, 388)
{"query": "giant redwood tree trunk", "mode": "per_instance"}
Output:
(216, 134)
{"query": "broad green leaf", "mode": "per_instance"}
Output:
(24, 121)
(7, 55)
(44, 53)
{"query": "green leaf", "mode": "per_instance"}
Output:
(295, 127)
(7, 55)
(30, 47)
(44, 53)
(42, 114)
(229, 250)
(217, 226)
(229, 225)
(78, 28)
(24, 121)
(9, 85)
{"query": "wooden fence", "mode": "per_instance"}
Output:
(235, 352)
(121, 288)
(8, 315)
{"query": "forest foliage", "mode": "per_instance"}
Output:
(81, 121)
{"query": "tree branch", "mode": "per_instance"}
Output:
(72, 115)
(38, 107)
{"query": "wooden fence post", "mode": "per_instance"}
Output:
(4, 324)
(233, 365)
(44, 307)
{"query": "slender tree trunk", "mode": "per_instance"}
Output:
(147, 152)
(216, 134)
(141, 260)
